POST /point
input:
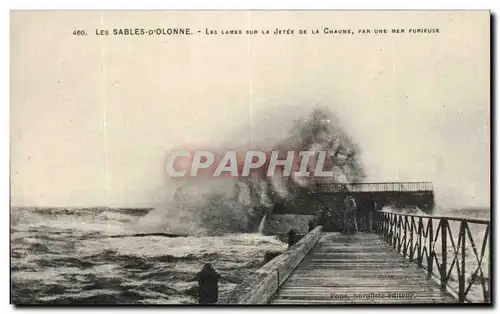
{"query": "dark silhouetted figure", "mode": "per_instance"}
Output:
(291, 237)
(350, 225)
(208, 281)
(311, 225)
(372, 215)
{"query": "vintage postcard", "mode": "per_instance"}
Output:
(250, 157)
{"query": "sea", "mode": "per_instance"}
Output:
(96, 256)
(475, 265)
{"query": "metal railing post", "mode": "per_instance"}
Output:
(412, 222)
(392, 229)
(461, 274)
(430, 254)
(420, 236)
(444, 252)
(400, 232)
(405, 237)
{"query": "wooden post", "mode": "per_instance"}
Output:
(444, 252)
(430, 256)
(461, 275)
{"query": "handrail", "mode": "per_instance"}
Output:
(452, 218)
(378, 187)
(266, 282)
(414, 236)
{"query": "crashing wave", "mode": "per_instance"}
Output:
(200, 206)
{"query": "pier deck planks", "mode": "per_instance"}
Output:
(358, 269)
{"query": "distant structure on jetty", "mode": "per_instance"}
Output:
(396, 194)
(325, 204)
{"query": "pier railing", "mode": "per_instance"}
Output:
(455, 251)
(377, 187)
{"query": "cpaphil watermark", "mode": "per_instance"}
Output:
(181, 164)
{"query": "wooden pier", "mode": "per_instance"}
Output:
(405, 259)
(355, 269)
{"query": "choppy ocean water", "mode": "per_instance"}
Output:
(68, 256)
(65, 256)
(473, 249)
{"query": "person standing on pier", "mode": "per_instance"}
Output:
(350, 223)
(208, 285)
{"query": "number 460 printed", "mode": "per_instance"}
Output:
(79, 32)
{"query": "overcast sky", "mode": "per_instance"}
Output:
(92, 116)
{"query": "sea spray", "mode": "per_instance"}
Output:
(214, 206)
(262, 224)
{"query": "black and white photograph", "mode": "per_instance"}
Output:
(288, 157)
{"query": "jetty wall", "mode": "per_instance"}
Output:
(280, 224)
(266, 282)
